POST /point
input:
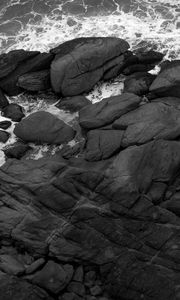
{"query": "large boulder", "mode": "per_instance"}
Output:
(3, 100)
(73, 104)
(35, 81)
(138, 83)
(43, 127)
(9, 61)
(13, 111)
(97, 214)
(155, 120)
(39, 62)
(79, 64)
(102, 144)
(13, 288)
(107, 111)
(167, 82)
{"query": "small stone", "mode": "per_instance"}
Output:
(71, 22)
(90, 278)
(17, 150)
(53, 277)
(5, 124)
(67, 296)
(77, 288)
(89, 297)
(79, 274)
(14, 112)
(11, 265)
(96, 290)
(35, 265)
(4, 136)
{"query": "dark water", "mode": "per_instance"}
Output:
(40, 24)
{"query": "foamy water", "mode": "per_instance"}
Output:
(41, 25)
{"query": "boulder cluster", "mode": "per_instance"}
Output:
(99, 220)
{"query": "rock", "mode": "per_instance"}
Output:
(96, 290)
(90, 278)
(14, 288)
(107, 111)
(111, 222)
(91, 297)
(53, 277)
(40, 62)
(35, 266)
(171, 101)
(79, 274)
(173, 204)
(102, 144)
(73, 104)
(17, 150)
(167, 82)
(138, 83)
(138, 68)
(3, 100)
(43, 127)
(148, 122)
(10, 61)
(5, 124)
(14, 112)
(149, 57)
(70, 296)
(77, 288)
(11, 265)
(35, 81)
(4, 136)
(79, 64)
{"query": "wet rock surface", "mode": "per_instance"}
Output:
(79, 64)
(43, 127)
(99, 220)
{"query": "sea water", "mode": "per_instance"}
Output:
(43, 24)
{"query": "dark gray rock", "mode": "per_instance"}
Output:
(17, 150)
(35, 81)
(108, 110)
(14, 288)
(73, 104)
(167, 82)
(43, 127)
(138, 83)
(4, 136)
(102, 144)
(151, 121)
(81, 63)
(39, 62)
(53, 277)
(14, 112)
(10, 61)
(5, 124)
(3, 100)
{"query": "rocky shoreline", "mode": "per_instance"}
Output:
(99, 219)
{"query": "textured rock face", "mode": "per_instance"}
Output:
(35, 81)
(38, 62)
(100, 222)
(81, 63)
(168, 81)
(43, 127)
(138, 83)
(105, 213)
(150, 121)
(107, 111)
(73, 104)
